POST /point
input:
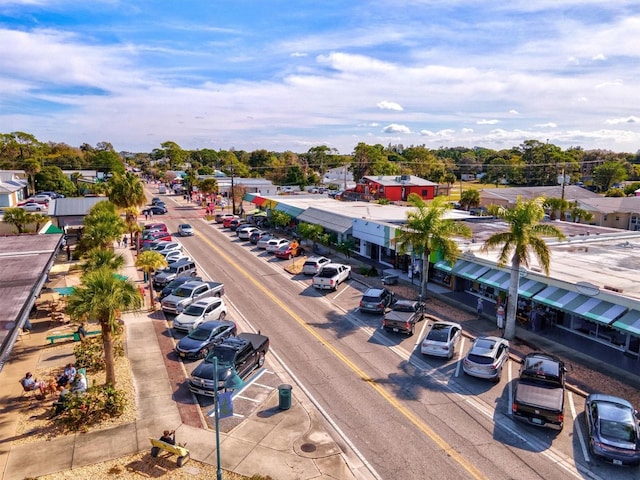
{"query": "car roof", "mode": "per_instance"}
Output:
(207, 301)
(443, 325)
(211, 324)
(373, 292)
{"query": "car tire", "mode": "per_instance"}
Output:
(412, 330)
(496, 379)
(222, 316)
(260, 361)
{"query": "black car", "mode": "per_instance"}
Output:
(376, 300)
(171, 286)
(198, 343)
(613, 430)
(255, 236)
(155, 210)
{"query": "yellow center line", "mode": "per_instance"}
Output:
(437, 439)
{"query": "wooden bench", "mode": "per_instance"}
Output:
(68, 336)
(181, 452)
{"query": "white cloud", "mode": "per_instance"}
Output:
(546, 125)
(599, 57)
(514, 112)
(299, 54)
(467, 130)
(395, 128)
(487, 122)
(385, 105)
(617, 121)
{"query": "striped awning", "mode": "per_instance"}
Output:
(528, 288)
(469, 270)
(599, 311)
(496, 278)
(444, 266)
(629, 322)
(556, 297)
(290, 210)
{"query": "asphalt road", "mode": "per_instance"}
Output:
(406, 415)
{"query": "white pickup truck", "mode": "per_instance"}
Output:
(331, 275)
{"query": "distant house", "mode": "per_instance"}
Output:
(508, 196)
(69, 213)
(394, 188)
(613, 212)
(13, 189)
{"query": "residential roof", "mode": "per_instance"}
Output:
(511, 194)
(612, 204)
(398, 180)
(74, 206)
(329, 220)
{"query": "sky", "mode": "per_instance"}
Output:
(292, 75)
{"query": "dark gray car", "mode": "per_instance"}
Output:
(198, 343)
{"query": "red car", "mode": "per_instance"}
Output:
(155, 226)
(289, 251)
(154, 237)
(226, 223)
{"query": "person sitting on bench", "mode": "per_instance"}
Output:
(168, 437)
(82, 333)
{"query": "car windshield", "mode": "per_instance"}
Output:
(194, 310)
(182, 292)
(438, 333)
(403, 307)
(225, 356)
(613, 430)
(480, 359)
(200, 334)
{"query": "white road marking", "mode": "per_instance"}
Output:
(458, 366)
(510, 383)
(576, 424)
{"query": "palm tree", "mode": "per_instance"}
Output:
(32, 167)
(102, 226)
(525, 237)
(149, 262)
(427, 230)
(18, 217)
(100, 296)
(99, 257)
(126, 191)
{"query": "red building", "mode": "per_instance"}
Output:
(394, 188)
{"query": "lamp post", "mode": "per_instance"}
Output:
(232, 382)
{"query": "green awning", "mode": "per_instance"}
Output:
(529, 288)
(469, 270)
(556, 297)
(629, 323)
(599, 311)
(444, 266)
(496, 278)
(289, 209)
(53, 229)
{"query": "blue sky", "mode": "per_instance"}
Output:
(291, 75)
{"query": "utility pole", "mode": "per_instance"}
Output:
(344, 187)
(233, 193)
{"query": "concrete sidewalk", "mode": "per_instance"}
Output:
(292, 443)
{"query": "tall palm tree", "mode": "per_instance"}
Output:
(102, 226)
(427, 230)
(100, 296)
(524, 238)
(32, 167)
(149, 262)
(99, 257)
(126, 191)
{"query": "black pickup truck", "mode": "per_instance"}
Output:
(539, 393)
(245, 353)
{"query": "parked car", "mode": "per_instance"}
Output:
(226, 221)
(264, 241)
(376, 300)
(275, 243)
(220, 216)
(173, 284)
(403, 317)
(441, 339)
(166, 247)
(155, 210)
(200, 340)
(33, 207)
(186, 230)
(153, 238)
(52, 195)
(331, 276)
(290, 250)
(42, 198)
(179, 268)
(486, 357)
(612, 429)
(257, 235)
(155, 226)
(235, 223)
(244, 232)
(174, 256)
(313, 265)
(200, 311)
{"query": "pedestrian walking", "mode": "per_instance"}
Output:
(122, 242)
(500, 317)
(125, 240)
(146, 215)
(480, 307)
(68, 253)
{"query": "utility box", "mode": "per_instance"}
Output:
(284, 396)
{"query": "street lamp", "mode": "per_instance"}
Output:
(231, 383)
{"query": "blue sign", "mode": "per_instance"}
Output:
(225, 405)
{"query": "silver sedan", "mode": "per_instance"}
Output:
(441, 339)
(486, 358)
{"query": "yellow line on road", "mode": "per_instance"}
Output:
(437, 439)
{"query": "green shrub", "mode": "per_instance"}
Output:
(89, 353)
(91, 407)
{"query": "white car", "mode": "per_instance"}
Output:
(264, 241)
(186, 230)
(442, 339)
(245, 232)
(275, 243)
(166, 247)
(212, 308)
(33, 207)
(176, 256)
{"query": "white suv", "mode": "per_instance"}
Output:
(201, 311)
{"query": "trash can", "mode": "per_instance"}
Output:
(284, 396)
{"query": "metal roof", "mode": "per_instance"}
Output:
(74, 206)
(328, 220)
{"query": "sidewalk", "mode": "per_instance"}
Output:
(284, 444)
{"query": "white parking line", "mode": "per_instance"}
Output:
(576, 424)
(422, 334)
(510, 383)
